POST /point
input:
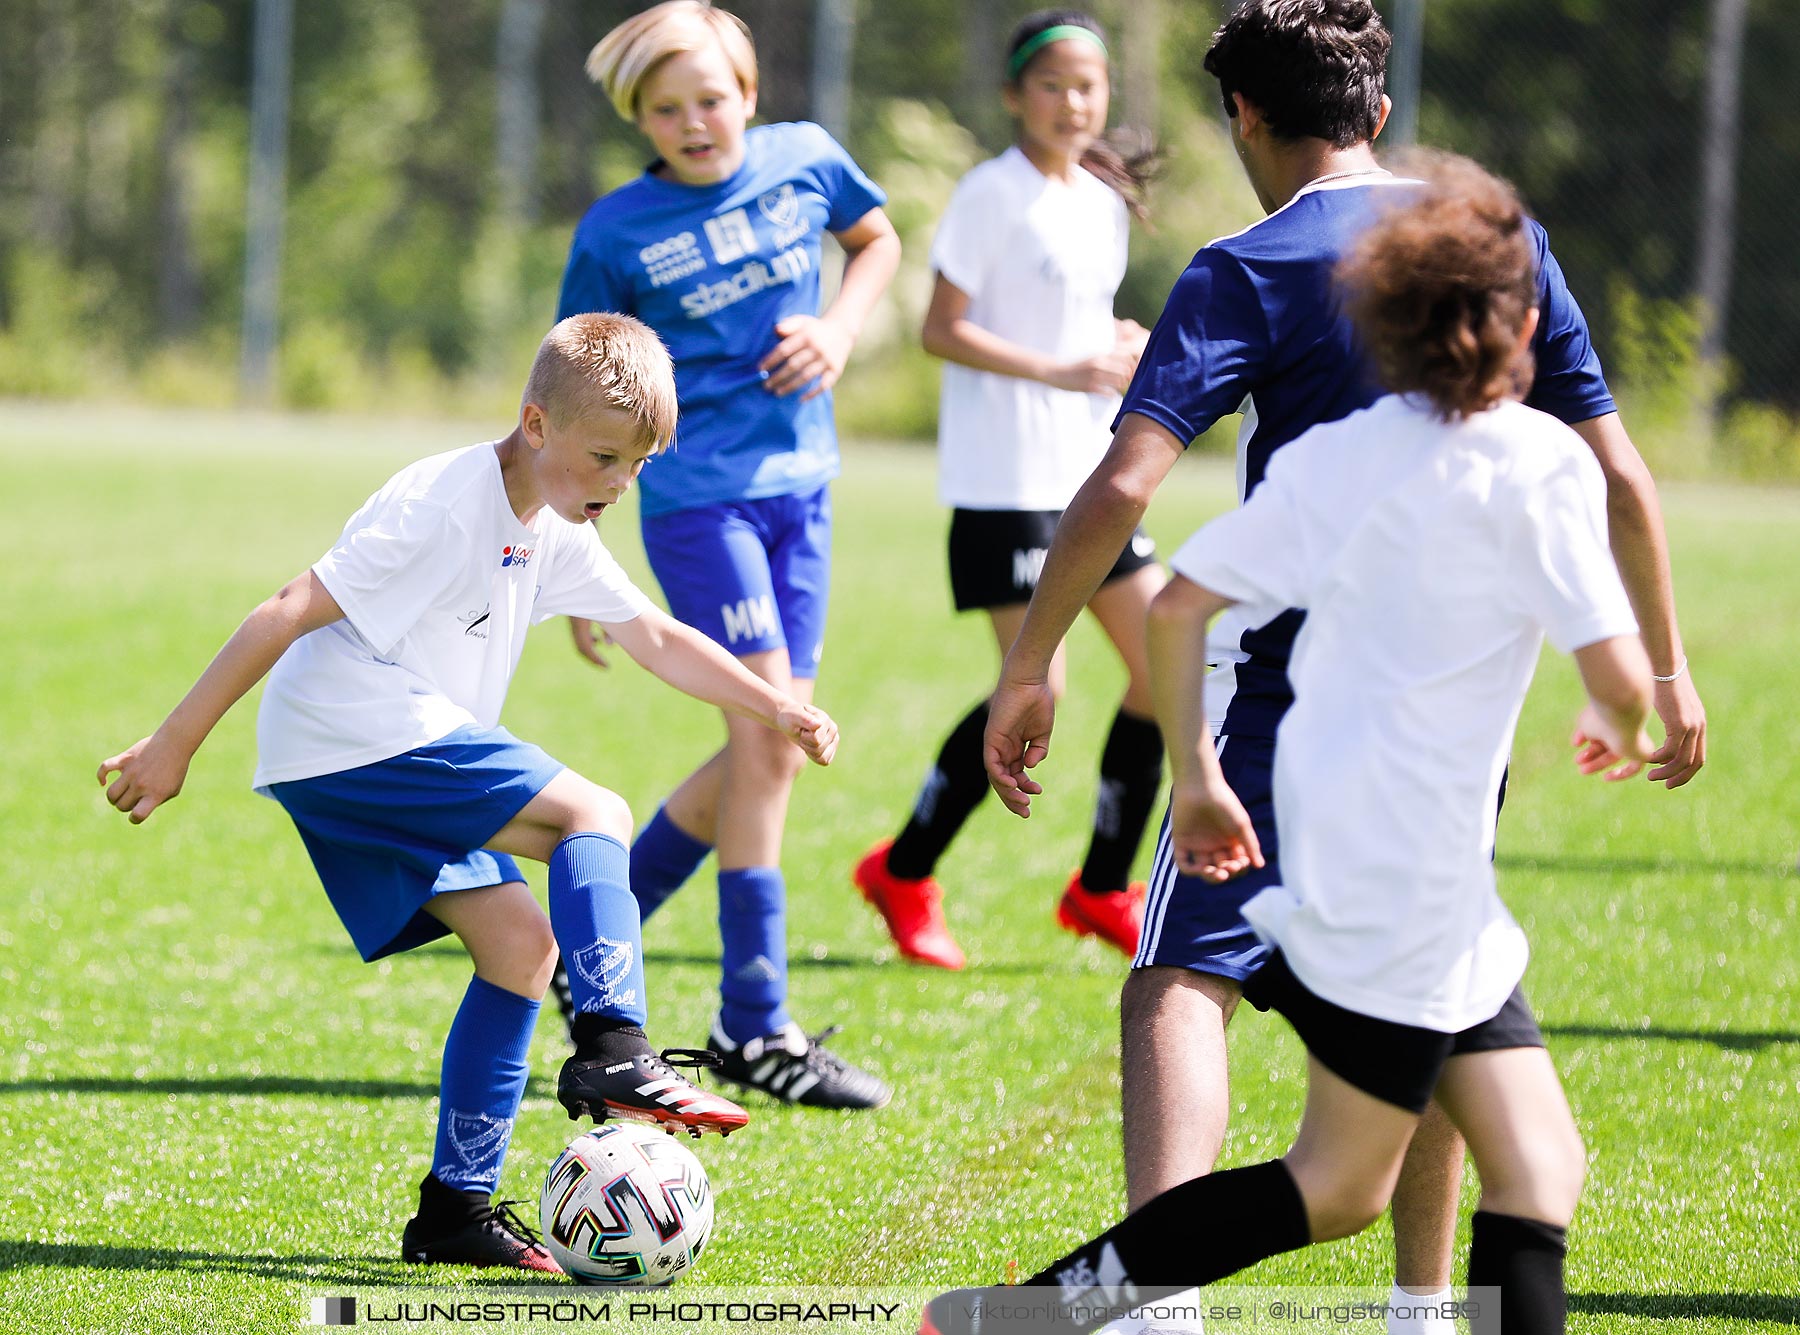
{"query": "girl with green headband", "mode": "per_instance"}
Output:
(1028, 258)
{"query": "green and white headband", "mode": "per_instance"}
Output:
(1062, 32)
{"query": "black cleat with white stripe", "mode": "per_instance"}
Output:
(795, 1067)
(614, 1073)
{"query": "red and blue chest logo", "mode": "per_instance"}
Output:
(517, 556)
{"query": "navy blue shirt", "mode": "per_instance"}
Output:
(1254, 324)
(713, 269)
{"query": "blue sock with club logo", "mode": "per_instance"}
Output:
(662, 859)
(596, 924)
(482, 1082)
(753, 930)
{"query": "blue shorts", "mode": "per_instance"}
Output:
(1193, 924)
(388, 836)
(751, 575)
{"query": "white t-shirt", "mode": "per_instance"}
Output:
(1432, 559)
(1040, 260)
(439, 582)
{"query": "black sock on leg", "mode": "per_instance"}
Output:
(601, 1037)
(1523, 1258)
(1201, 1231)
(1130, 775)
(445, 1210)
(953, 789)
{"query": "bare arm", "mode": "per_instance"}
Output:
(693, 664)
(1641, 548)
(152, 771)
(950, 334)
(814, 349)
(1610, 734)
(1092, 533)
(1210, 832)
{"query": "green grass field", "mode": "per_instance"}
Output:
(212, 1112)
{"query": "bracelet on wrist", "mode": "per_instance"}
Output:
(1675, 675)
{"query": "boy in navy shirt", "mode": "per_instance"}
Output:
(1253, 323)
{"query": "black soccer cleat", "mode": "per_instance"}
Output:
(795, 1067)
(615, 1073)
(470, 1231)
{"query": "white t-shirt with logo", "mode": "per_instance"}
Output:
(1432, 560)
(439, 582)
(1040, 260)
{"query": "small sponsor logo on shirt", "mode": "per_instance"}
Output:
(731, 236)
(671, 259)
(516, 555)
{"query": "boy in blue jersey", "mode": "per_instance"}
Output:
(717, 247)
(387, 664)
(1253, 322)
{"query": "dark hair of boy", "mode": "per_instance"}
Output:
(1128, 168)
(1314, 68)
(1440, 291)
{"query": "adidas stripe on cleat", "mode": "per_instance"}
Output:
(797, 1068)
(644, 1087)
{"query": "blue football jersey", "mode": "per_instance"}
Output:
(713, 268)
(1253, 324)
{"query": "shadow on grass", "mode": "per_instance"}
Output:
(319, 1271)
(1611, 866)
(1770, 1308)
(1752, 1041)
(247, 1085)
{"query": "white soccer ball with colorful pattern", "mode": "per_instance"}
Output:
(626, 1204)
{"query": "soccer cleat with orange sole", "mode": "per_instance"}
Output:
(912, 910)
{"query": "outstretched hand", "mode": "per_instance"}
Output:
(588, 640)
(1020, 717)
(1600, 747)
(1210, 832)
(150, 773)
(1683, 717)
(809, 728)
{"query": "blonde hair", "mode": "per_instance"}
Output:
(623, 59)
(601, 360)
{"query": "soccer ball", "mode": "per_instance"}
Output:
(626, 1204)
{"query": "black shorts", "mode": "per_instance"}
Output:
(997, 555)
(1396, 1063)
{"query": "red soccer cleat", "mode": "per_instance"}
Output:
(912, 910)
(1115, 916)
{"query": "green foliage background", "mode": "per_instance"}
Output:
(411, 283)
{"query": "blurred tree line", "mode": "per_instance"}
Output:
(438, 156)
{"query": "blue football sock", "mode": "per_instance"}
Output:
(596, 924)
(753, 928)
(482, 1082)
(662, 859)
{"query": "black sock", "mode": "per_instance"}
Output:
(1201, 1231)
(445, 1210)
(1523, 1258)
(952, 790)
(1130, 774)
(598, 1036)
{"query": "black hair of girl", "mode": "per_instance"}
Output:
(1127, 163)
